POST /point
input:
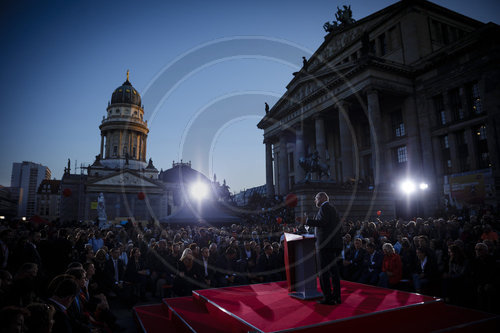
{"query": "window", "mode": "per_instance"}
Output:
(115, 150)
(117, 111)
(481, 143)
(456, 105)
(134, 151)
(399, 159)
(398, 126)
(372, 47)
(291, 164)
(463, 151)
(445, 153)
(393, 36)
(382, 44)
(402, 155)
(439, 109)
(475, 99)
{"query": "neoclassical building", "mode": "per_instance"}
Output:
(120, 171)
(132, 186)
(409, 92)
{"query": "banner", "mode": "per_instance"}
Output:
(468, 188)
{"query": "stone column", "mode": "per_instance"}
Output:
(283, 167)
(144, 147)
(473, 155)
(346, 145)
(299, 152)
(319, 125)
(269, 169)
(452, 142)
(102, 146)
(376, 129)
(412, 127)
(120, 148)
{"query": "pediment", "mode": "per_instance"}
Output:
(124, 179)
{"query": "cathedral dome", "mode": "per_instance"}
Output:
(182, 173)
(126, 94)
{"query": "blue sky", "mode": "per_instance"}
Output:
(61, 60)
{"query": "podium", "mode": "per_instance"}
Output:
(300, 265)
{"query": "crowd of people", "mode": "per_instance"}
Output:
(60, 278)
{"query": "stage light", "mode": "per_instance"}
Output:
(199, 191)
(408, 187)
(423, 186)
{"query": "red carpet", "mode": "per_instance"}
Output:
(269, 308)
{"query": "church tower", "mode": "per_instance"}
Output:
(123, 131)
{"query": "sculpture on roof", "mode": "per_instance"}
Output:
(267, 107)
(343, 18)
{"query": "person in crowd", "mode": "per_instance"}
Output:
(136, 273)
(24, 286)
(267, 268)
(456, 281)
(391, 267)
(41, 318)
(12, 319)
(485, 275)
(63, 290)
(5, 286)
(207, 267)
(372, 265)
(188, 277)
(225, 268)
(425, 271)
(353, 265)
(408, 258)
(327, 228)
(114, 271)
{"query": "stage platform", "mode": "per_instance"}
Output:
(267, 307)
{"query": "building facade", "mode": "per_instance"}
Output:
(24, 182)
(49, 199)
(409, 92)
(131, 185)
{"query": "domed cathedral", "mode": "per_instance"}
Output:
(129, 184)
(124, 134)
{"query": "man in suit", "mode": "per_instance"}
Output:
(327, 229)
(115, 271)
(63, 292)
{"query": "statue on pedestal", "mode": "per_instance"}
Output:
(311, 163)
(101, 212)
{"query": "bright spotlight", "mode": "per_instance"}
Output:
(424, 186)
(408, 187)
(199, 191)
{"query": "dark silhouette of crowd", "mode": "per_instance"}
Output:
(62, 278)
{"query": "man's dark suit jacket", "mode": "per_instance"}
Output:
(327, 228)
(62, 323)
(109, 270)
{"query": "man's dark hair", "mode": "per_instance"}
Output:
(66, 287)
(76, 272)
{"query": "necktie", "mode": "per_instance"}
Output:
(116, 269)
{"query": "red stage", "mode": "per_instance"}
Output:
(268, 308)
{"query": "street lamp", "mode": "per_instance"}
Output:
(199, 191)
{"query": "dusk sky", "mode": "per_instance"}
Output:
(204, 70)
